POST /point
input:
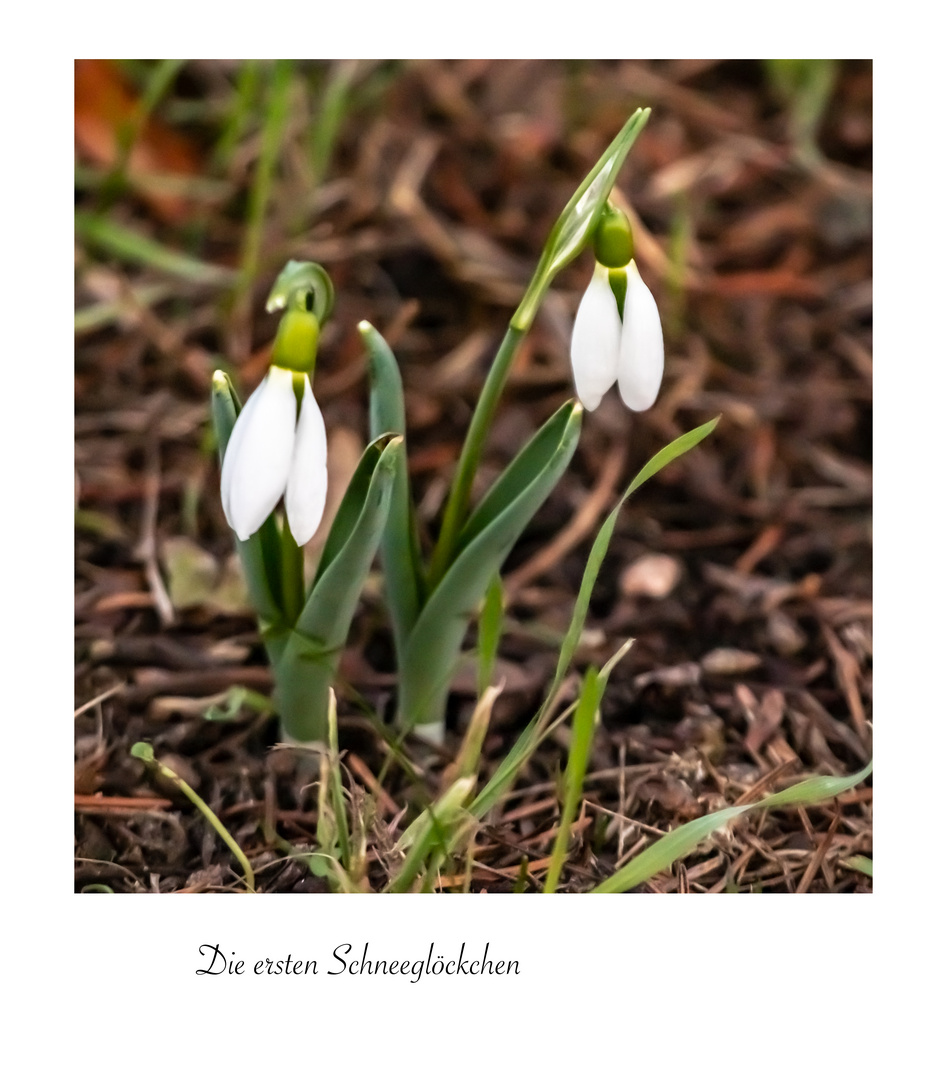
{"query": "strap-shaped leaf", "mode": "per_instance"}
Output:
(400, 548)
(309, 655)
(496, 525)
(351, 545)
(527, 464)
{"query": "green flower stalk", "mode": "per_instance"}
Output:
(572, 231)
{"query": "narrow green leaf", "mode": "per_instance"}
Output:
(329, 116)
(400, 548)
(524, 747)
(145, 752)
(815, 790)
(583, 731)
(467, 761)
(241, 109)
(435, 641)
(673, 450)
(505, 773)
(429, 831)
(276, 108)
(95, 316)
(605, 673)
(230, 704)
(663, 457)
(528, 463)
(350, 509)
(124, 243)
(338, 790)
(861, 863)
(491, 630)
(306, 667)
(681, 841)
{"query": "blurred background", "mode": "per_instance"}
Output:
(427, 189)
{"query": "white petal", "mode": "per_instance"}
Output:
(256, 464)
(308, 477)
(641, 353)
(595, 339)
(233, 453)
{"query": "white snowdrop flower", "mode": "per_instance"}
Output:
(276, 450)
(609, 346)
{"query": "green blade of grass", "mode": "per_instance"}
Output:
(597, 556)
(130, 246)
(583, 730)
(274, 123)
(429, 831)
(240, 112)
(328, 120)
(338, 797)
(530, 737)
(95, 316)
(683, 840)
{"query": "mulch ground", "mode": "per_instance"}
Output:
(743, 571)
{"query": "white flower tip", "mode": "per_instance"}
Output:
(258, 456)
(641, 363)
(308, 480)
(595, 341)
(590, 402)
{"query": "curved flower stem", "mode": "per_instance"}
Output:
(569, 235)
(144, 752)
(459, 498)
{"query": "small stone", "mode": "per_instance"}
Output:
(729, 662)
(785, 633)
(651, 575)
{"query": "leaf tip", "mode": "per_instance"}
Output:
(143, 750)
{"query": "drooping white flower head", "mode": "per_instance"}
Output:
(608, 346)
(273, 454)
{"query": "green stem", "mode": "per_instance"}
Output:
(338, 796)
(459, 498)
(145, 752)
(291, 571)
